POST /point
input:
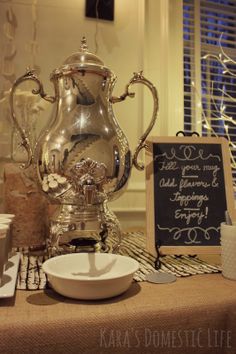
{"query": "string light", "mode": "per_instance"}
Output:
(218, 113)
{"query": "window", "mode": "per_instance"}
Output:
(210, 69)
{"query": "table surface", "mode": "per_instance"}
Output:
(193, 315)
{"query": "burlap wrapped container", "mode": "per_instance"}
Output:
(23, 198)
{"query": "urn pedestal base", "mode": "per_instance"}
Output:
(78, 229)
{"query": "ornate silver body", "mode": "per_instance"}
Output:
(83, 160)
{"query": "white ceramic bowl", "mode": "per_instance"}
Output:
(90, 276)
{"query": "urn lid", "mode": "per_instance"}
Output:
(82, 61)
(83, 56)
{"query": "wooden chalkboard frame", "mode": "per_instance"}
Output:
(150, 202)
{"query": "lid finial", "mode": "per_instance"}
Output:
(84, 47)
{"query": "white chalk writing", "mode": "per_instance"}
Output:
(189, 175)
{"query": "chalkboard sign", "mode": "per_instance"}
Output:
(189, 188)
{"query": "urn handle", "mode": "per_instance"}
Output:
(138, 78)
(29, 75)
